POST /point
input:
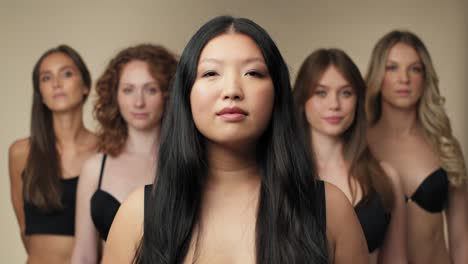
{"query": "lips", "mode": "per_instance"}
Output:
(59, 95)
(232, 114)
(140, 115)
(333, 119)
(403, 92)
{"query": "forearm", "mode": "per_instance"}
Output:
(25, 241)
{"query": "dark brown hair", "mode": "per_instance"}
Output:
(43, 169)
(363, 165)
(113, 128)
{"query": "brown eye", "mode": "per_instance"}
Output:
(321, 93)
(45, 78)
(209, 74)
(255, 74)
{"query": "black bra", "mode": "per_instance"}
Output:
(60, 222)
(104, 207)
(374, 220)
(432, 194)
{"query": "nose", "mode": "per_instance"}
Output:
(140, 98)
(333, 101)
(403, 76)
(56, 82)
(232, 88)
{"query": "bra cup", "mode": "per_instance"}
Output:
(432, 194)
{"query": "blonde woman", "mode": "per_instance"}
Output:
(410, 129)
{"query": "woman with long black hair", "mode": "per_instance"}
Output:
(234, 183)
(44, 167)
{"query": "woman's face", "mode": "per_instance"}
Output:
(141, 100)
(402, 85)
(60, 83)
(232, 96)
(331, 108)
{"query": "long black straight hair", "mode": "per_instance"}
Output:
(290, 219)
(43, 169)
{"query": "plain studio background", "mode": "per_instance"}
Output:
(99, 29)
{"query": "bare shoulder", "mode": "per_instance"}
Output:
(126, 230)
(89, 175)
(338, 206)
(128, 222)
(94, 162)
(345, 237)
(18, 155)
(19, 149)
(133, 205)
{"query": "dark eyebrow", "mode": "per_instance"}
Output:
(210, 60)
(248, 60)
(327, 87)
(145, 84)
(61, 69)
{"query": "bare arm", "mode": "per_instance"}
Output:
(86, 247)
(17, 156)
(126, 230)
(457, 222)
(394, 248)
(346, 239)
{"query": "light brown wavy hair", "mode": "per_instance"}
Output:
(113, 133)
(364, 167)
(431, 112)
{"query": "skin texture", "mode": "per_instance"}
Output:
(141, 103)
(226, 230)
(407, 150)
(335, 97)
(63, 91)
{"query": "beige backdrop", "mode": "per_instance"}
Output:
(98, 29)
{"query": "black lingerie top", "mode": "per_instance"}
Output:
(374, 221)
(104, 206)
(432, 194)
(58, 222)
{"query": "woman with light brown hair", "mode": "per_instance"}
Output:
(410, 129)
(329, 94)
(44, 167)
(131, 95)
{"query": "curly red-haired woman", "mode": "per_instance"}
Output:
(131, 95)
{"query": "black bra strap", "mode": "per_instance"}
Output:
(103, 163)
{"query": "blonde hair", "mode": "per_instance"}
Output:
(431, 112)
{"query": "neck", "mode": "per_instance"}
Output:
(231, 166)
(143, 143)
(68, 127)
(398, 121)
(327, 150)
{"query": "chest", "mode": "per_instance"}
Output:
(120, 176)
(413, 158)
(225, 234)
